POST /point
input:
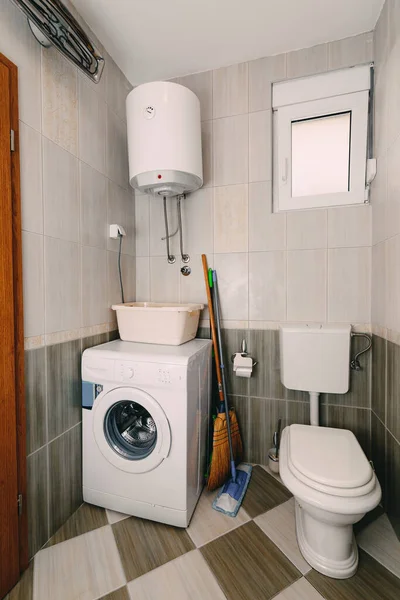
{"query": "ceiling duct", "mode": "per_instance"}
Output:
(52, 23)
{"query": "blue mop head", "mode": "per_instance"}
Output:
(230, 497)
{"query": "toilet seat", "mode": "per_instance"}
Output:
(339, 501)
(329, 460)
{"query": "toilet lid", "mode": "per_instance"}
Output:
(328, 456)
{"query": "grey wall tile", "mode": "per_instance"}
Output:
(232, 343)
(392, 503)
(242, 408)
(378, 452)
(95, 340)
(38, 533)
(264, 415)
(265, 382)
(35, 399)
(393, 389)
(358, 420)
(65, 477)
(297, 412)
(378, 392)
(359, 393)
(64, 387)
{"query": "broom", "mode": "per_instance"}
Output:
(220, 460)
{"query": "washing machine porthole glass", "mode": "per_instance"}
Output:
(130, 430)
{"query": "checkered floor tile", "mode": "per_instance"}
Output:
(103, 555)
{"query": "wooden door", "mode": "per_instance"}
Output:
(13, 523)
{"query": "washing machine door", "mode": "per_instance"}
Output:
(131, 429)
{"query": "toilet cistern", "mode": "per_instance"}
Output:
(315, 359)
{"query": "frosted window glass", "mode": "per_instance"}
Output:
(321, 155)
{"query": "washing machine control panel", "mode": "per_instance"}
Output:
(142, 373)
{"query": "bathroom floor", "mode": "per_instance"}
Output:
(100, 554)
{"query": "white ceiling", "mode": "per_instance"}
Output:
(161, 39)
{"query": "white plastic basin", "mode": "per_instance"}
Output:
(155, 323)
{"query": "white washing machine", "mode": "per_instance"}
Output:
(145, 422)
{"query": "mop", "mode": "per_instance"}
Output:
(230, 497)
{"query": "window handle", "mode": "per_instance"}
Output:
(285, 171)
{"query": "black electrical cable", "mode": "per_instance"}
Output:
(119, 269)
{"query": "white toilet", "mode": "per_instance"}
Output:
(325, 468)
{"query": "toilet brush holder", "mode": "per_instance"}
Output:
(273, 460)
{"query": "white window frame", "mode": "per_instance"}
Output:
(313, 97)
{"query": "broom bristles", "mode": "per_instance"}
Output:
(220, 462)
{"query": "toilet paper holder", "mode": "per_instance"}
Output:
(244, 354)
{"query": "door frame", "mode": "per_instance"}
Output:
(18, 315)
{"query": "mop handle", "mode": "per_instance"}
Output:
(221, 360)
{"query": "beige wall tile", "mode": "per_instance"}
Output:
(231, 219)
(379, 284)
(230, 150)
(62, 267)
(393, 190)
(306, 229)
(142, 224)
(349, 226)
(60, 192)
(233, 285)
(267, 286)
(306, 285)
(349, 285)
(308, 61)
(33, 281)
(31, 178)
(267, 230)
(93, 207)
(230, 91)
(143, 279)
(94, 286)
(92, 126)
(260, 146)
(116, 150)
(164, 280)
(192, 288)
(121, 211)
(202, 85)
(197, 221)
(351, 51)
(207, 152)
(262, 73)
(60, 100)
(392, 258)
(117, 89)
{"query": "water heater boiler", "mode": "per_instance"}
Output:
(164, 139)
